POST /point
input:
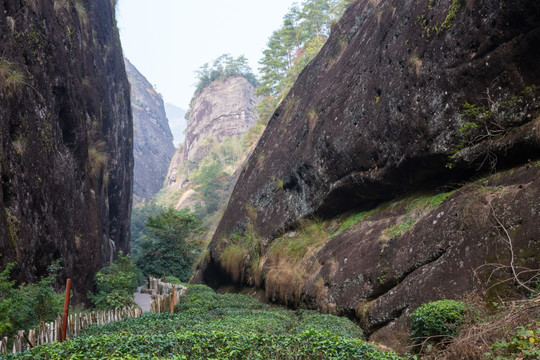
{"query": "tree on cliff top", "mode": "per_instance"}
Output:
(304, 30)
(223, 68)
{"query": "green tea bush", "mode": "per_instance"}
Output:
(211, 345)
(438, 318)
(173, 280)
(207, 325)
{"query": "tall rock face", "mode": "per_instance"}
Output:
(66, 160)
(153, 146)
(404, 96)
(223, 109)
(380, 110)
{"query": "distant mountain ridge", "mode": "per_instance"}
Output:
(177, 123)
(153, 146)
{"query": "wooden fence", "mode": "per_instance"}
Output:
(50, 332)
(162, 293)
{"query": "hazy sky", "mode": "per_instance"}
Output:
(167, 40)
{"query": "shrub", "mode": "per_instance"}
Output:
(525, 344)
(169, 247)
(439, 318)
(28, 305)
(115, 284)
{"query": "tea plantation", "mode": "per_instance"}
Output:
(207, 325)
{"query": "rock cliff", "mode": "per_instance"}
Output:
(404, 96)
(66, 160)
(153, 146)
(225, 109)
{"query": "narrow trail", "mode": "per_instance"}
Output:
(143, 300)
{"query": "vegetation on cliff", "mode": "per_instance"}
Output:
(290, 48)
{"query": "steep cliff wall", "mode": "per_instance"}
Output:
(404, 96)
(380, 109)
(225, 109)
(65, 138)
(153, 146)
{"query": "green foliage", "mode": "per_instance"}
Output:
(211, 180)
(173, 280)
(452, 13)
(168, 248)
(139, 231)
(296, 43)
(207, 325)
(439, 319)
(311, 235)
(223, 68)
(428, 202)
(241, 252)
(353, 220)
(397, 230)
(115, 284)
(438, 29)
(524, 345)
(215, 345)
(491, 122)
(28, 305)
(212, 176)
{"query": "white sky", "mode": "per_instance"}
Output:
(167, 40)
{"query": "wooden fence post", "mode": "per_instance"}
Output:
(66, 310)
(172, 299)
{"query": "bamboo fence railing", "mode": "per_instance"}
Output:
(51, 332)
(162, 292)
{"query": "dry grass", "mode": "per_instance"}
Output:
(81, 11)
(416, 61)
(291, 263)
(98, 159)
(234, 259)
(10, 76)
(312, 119)
(476, 339)
(61, 4)
(240, 257)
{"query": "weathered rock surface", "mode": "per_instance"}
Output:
(381, 112)
(66, 160)
(153, 146)
(223, 109)
(378, 275)
(377, 112)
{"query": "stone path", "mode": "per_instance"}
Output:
(143, 300)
